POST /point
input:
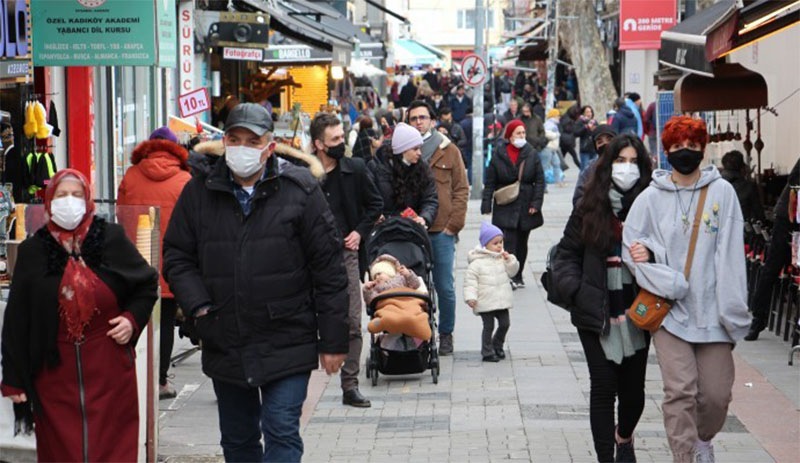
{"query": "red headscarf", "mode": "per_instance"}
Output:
(76, 298)
(511, 150)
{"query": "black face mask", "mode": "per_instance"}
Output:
(685, 160)
(335, 152)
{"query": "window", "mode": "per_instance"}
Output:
(466, 18)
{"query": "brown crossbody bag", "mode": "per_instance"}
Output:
(649, 310)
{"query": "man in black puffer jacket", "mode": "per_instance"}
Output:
(253, 253)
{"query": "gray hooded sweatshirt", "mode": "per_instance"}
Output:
(712, 305)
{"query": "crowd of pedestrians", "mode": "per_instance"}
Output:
(266, 323)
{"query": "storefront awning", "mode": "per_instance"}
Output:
(761, 19)
(684, 46)
(409, 52)
(310, 23)
(732, 87)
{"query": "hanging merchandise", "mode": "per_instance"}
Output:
(45, 169)
(53, 119)
(43, 129)
(30, 121)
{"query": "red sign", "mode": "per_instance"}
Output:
(458, 55)
(194, 102)
(720, 40)
(642, 21)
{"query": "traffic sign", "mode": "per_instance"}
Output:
(194, 102)
(473, 70)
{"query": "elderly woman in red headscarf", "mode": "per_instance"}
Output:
(514, 160)
(80, 296)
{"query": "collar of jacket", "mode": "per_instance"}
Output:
(440, 150)
(221, 178)
(346, 166)
(524, 153)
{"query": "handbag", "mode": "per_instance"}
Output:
(509, 193)
(649, 310)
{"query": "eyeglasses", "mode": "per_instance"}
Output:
(418, 118)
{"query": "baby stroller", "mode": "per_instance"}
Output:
(409, 243)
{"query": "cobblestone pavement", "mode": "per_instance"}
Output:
(533, 406)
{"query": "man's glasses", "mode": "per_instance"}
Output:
(418, 118)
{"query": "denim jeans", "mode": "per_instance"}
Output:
(586, 159)
(272, 409)
(444, 256)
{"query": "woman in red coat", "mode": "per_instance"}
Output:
(80, 296)
(156, 178)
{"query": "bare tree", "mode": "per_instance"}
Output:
(580, 37)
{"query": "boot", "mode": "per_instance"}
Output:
(756, 327)
(446, 344)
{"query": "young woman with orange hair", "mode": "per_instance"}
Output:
(709, 312)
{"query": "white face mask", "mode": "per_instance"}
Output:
(243, 161)
(625, 175)
(67, 212)
(519, 142)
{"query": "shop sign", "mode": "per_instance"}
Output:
(186, 45)
(194, 102)
(295, 53)
(10, 69)
(371, 52)
(720, 40)
(642, 21)
(459, 55)
(243, 54)
(103, 32)
(13, 28)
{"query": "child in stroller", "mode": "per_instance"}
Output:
(401, 291)
(396, 315)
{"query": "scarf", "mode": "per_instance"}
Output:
(430, 145)
(513, 153)
(76, 299)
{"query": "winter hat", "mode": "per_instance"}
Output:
(604, 129)
(553, 113)
(488, 232)
(511, 127)
(405, 138)
(164, 133)
(382, 266)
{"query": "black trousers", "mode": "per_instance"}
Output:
(610, 381)
(168, 310)
(778, 256)
(571, 150)
(492, 340)
(515, 241)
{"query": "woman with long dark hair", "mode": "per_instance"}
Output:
(518, 218)
(403, 181)
(590, 275)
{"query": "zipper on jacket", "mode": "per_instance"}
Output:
(82, 393)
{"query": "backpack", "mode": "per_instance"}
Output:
(548, 281)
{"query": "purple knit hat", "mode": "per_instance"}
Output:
(488, 232)
(164, 133)
(404, 138)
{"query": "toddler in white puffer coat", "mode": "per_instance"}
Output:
(487, 289)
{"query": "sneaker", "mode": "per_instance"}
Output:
(514, 285)
(519, 282)
(704, 452)
(625, 453)
(491, 358)
(445, 344)
(166, 391)
(500, 353)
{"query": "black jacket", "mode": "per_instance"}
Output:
(747, 194)
(274, 280)
(585, 133)
(580, 277)
(502, 172)
(361, 200)
(425, 202)
(31, 319)
(567, 126)
(534, 132)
